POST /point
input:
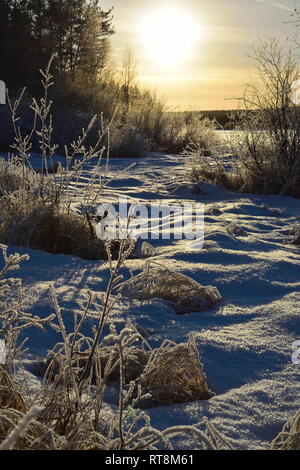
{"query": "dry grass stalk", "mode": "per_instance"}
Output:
(10, 397)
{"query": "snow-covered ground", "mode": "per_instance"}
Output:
(245, 342)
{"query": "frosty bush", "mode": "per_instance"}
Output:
(13, 319)
(10, 396)
(204, 150)
(190, 131)
(289, 437)
(37, 206)
(15, 176)
(267, 137)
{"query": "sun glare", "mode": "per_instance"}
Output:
(169, 35)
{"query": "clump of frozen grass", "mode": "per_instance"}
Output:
(127, 141)
(235, 230)
(211, 168)
(203, 151)
(184, 132)
(22, 430)
(174, 374)
(22, 426)
(45, 228)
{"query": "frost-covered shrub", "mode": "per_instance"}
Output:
(15, 176)
(127, 141)
(174, 374)
(36, 206)
(44, 228)
(26, 221)
(156, 281)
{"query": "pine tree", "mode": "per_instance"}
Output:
(93, 53)
(78, 31)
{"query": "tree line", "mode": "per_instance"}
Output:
(31, 31)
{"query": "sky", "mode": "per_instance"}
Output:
(195, 53)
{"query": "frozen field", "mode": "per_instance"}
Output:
(245, 343)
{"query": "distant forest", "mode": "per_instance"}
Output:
(222, 118)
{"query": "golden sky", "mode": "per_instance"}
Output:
(195, 52)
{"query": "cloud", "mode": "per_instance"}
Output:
(276, 5)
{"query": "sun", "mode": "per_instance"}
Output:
(169, 35)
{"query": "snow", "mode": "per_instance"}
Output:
(245, 342)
